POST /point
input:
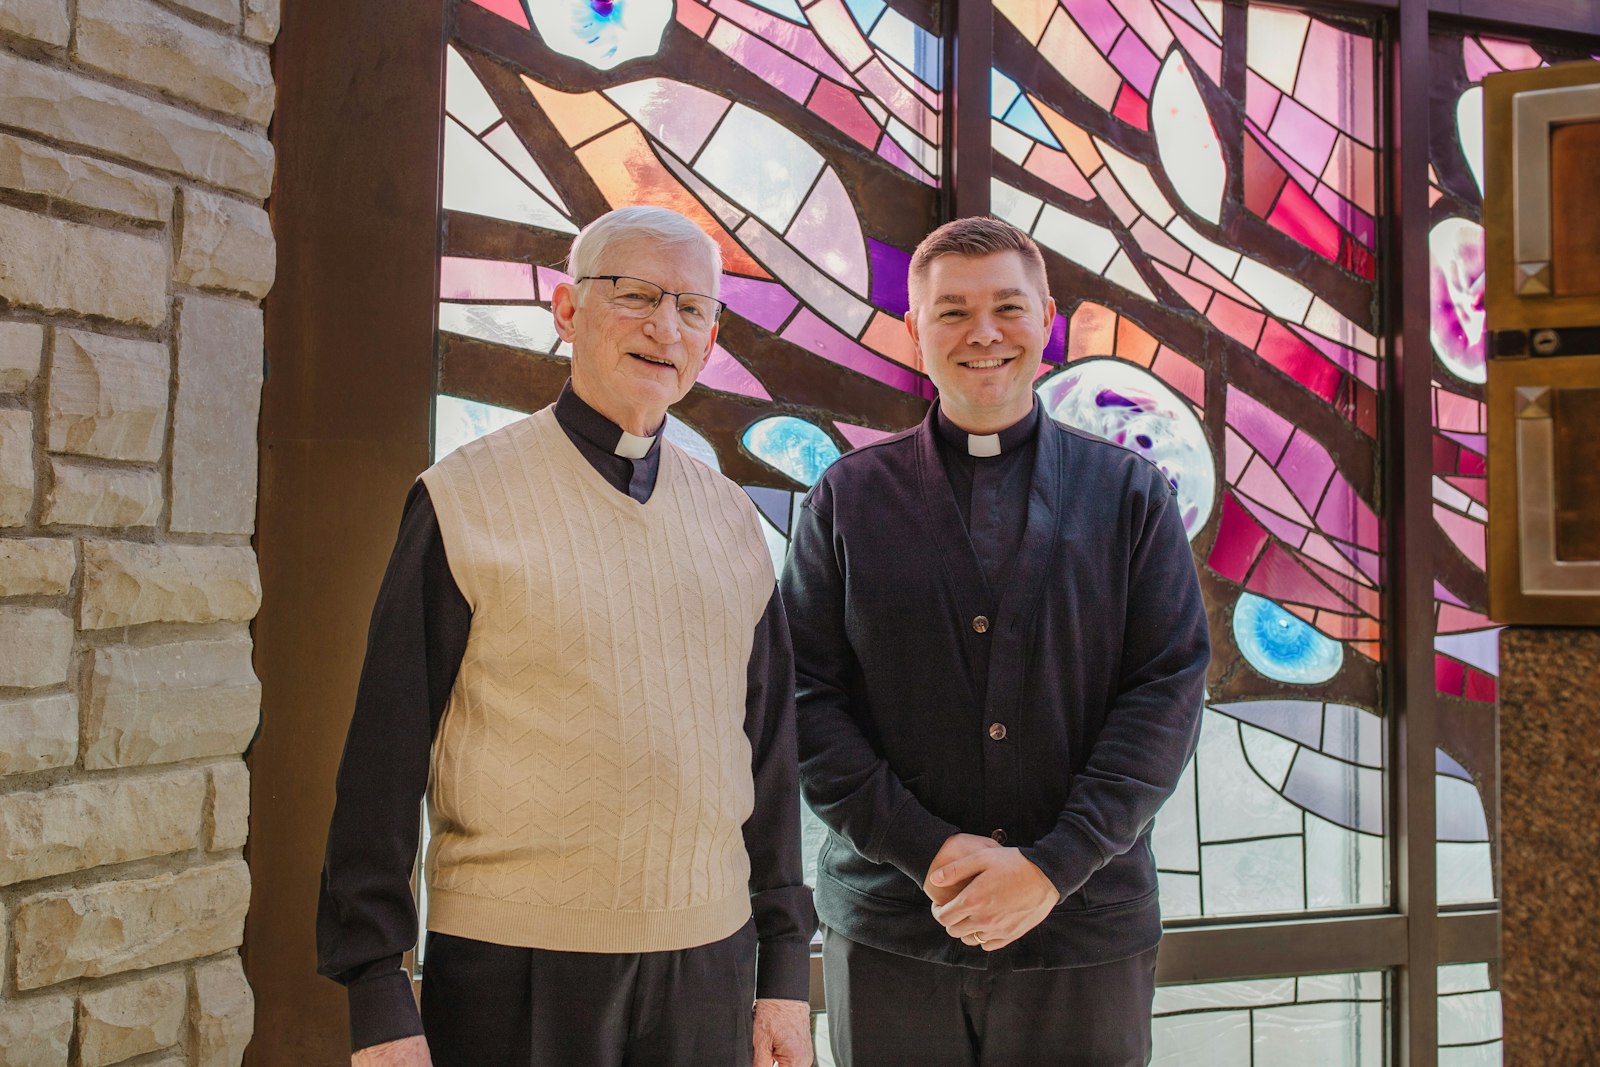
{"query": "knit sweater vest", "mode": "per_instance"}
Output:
(591, 775)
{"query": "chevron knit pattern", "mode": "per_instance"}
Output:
(591, 775)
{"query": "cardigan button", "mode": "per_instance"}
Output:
(999, 837)
(997, 731)
(980, 624)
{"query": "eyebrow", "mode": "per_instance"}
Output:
(1003, 294)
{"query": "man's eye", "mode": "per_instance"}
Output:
(692, 311)
(635, 300)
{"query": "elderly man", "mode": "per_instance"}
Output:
(1000, 649)
(579, 650)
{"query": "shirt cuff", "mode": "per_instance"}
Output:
(382, 1009)
(1066, 857)
(783, 971)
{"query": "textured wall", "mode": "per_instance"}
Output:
(1550, 845)
(134, 254)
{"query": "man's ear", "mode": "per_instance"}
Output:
(564, 307)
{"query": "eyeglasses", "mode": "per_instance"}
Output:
(638, 299)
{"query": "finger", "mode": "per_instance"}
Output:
(994, 944)
(763, 1049)
(968, 866)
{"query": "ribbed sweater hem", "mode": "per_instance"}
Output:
(561, 929)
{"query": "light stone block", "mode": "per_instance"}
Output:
(112, 927)
(35, 647)
(68, 107)
(214, 455)
(226, 244)
(131, 1019)
(35, 1032)
(16, 465)
(262, 20)
(38, 733)
(137, 40)
(224, 1013)
(91, 824)
(228, 814)
(36, 566)
(221, 10)
(82, 495)
(68, 267)
(170, 702)
(126, 583)
(21, 346)
(108, 396)
(30, 167)
(48, 21)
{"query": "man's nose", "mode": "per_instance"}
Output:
(662, 321)
(985, 330)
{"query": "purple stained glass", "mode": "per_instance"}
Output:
(793, 78)
(1340, 792)
(767, 304)
(1441, 593)
(1444, 764)
(1264, 428)
(549, 278)
(1306, 467)
(724, 372)
(1346, 516)
(485, 279)
(1055, 349)
(810, 332)
(1137, 63)
(1297, 720)
(1473, 442)
(891, 151)
(1261, 99)
(1478, 63)
(860, 435)
(1303, 135)
(1098, 20)
(1478, 648)
(775, 504)
(891, 268)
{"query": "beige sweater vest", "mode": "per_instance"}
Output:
(591, 775)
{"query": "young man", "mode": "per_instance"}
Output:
(1000, 651)
(578, 650)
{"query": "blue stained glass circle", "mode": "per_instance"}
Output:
(1282, 646)
(1129, 406)
(795, 447)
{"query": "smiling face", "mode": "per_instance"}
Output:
(632, 369)
(980, 324)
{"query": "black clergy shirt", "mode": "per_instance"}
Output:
(366, 915)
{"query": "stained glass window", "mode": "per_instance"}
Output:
(1469, 1016)
(1331, 1020)
(1244, 326)
(1466, 641)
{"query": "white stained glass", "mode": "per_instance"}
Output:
(680, 116)
(832, 301)
(1138, 183)
(1463, 978)
(1253, 877)
(778, 549)
(1176, 836)
(629, 30)
(1363, 985)
(1254, 993)
(1224, 259)
(457, 421)
(1487, 1055)
(1277, 292)
(1466, 872)
(1269, 754)
(1273, 43)
(828, 231)
(1124, 273)
(1180, 895)
(509, 147)
(1344, 869)
(1008, 142)
(1085, 243)
(1013, 205)
(1234, 802)
(765, 167)
(1469, 1018)
(690, 440)
(1220, 1038)
(1459, 810)
(525, 326)
(924, 153)
(476, 181)
(465, 98)
(1190, 153)
(1353, 734)
(729, 213)
(910, 45)
(789, 9)
(1326, 1034)
(1469, 128)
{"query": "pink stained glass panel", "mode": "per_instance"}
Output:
(1302, 218)
(1265, 430)
(724, 372)
(1146, 22)
(791, 77)
(1280, 577)
(1132, 108)
(1206, 55)
(1262, 484)
(510, 10)
(859, 435)
(1306, 468)
(1058, 169)
(839, 33)
(1182, 373)
(1098, 20)
(811, 333)
(1240, 539)
(1512, 55)
(1237, 321)
(1466, 534)
(1345, 516)
(842, 109)
(1358, 223)
(1303, 135)
(1199, 296)
(1299, 361)
(1336, 80)
(798, 41)
(1286, 530)
(1261, 99)
(893, 153)
(1477, 61)
(485, 279)
(1136, 62)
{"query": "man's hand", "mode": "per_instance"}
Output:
(407, 1052)
(782, 1033)
(1004, 897)
(956, 846)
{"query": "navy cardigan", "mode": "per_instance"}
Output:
(1097, 652)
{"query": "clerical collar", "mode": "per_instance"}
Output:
(989, 444)
(576, 414)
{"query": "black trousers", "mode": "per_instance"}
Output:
(886, 1010)
(487, 1005)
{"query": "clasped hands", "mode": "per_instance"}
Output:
(986, 895)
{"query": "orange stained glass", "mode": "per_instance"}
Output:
(1373, 650)
(1183, 374)
(1068, 50)
(695, 17)
(628, 172)
(1347, 627)
(1091, 332)
(1134, 343)
(1028, 16)
(576, 116)
(1079, 145)
(886, 335)
(1353, 172)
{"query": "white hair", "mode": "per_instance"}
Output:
(659, 223)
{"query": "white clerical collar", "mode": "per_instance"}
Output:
(632, 446)
(983, 444)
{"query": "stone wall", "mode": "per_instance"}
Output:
(134, 255)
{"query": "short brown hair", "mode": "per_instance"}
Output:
(979, 235)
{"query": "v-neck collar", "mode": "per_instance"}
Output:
(573, 455)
